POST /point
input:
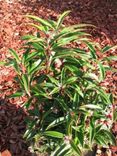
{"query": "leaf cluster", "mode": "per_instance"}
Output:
(62, 85)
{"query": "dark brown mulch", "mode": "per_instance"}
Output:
(12, 128)
(101, 13)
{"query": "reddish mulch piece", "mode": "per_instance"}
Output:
(102, 14)
(6, 153)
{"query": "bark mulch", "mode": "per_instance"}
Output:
(13, 25)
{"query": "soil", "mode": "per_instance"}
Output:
(13, 25)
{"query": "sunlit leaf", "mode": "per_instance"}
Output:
(26, 83)
(92, 50)
(54, 134)
(108, 48)
(61, 18)
(102, 71)
(15, 55)
(40, 20)
(90, 106)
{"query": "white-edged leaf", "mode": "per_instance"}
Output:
(40, 20)
(78, 89)
(53, 80)
(25, 83)
(102, 71)
(75, 148)
(61, 18)
(35, 66)
(92, 76)
(14, 54)
(42, 28)
(110, 58)
(55, 90)
(91, 106)
(92, 49)
(61, 150)
(108, 48)
(70, 80)
(56, 122)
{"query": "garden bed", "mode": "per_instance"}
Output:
(13, 25)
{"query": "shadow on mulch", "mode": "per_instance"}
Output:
(102, 14)
(12, 128)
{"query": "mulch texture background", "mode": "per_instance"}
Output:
(13, 25)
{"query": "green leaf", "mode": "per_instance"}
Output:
(17, 94)
(29, 57)
(115, 115)
(77, 27)
(28, 37)
(82, 53)
(40, 20)
(32, 38)
(35, 66)
(74, 70)
(105, 137)
(56, 122)
(91, 76)
(78, 89)
(71, 37)
(17, 67)
(2, 63)
(61, 150)
(111, 58)
(53, 80)
(80, 133)
(26, 83)
(70, 80)
(30, 134)
(14, 54)
(46, 114)
(91, 131)
(62, 103)
(63, 75)
(72, 61)
(64, 54)
(35, 43)
(100, 140)
(110, 137)
(25, 55)
(28, 103)
(102, 71)
(108, 48)
(67, 33)
(91, 106)
(61, 18)
(75, 148)
(54, 91)
(53, 134)
(41, 28)
(97, 128)
(92, 49)
(104, 95)
(67, 40)
(76, 100)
